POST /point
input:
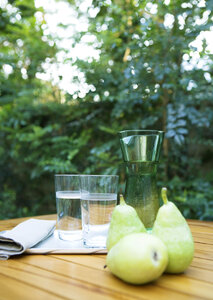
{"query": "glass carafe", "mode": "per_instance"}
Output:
(141, 151)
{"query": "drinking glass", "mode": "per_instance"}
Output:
(98, 199)
(67, 188)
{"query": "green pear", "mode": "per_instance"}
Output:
(124, 221)
(171, 227)
(138, 258)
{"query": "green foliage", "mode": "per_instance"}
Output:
(143, 79)
(148, 71)
(22, 53)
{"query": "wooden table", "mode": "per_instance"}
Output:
(84, 277)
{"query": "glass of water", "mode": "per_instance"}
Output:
(98, 199)
(67, 188)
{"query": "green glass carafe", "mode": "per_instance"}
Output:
(141, 152)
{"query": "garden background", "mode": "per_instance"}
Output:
(152, 69)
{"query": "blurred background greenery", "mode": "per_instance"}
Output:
(153, 70)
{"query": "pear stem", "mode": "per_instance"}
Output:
(122, 201)
(164, 195)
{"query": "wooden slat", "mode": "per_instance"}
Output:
(191, 287)
(200, 223)
(204, 247)
(202, 229)
(59, 287)
(203, 240)
(52, 283)
(202, 263)
(199, 274)
(204, 254)
(13, 289)
(93, 261)
(107, 280)
(200, 236)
